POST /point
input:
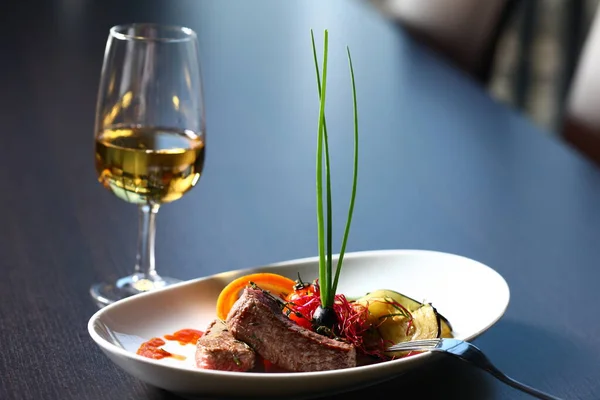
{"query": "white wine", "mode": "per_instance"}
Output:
(149, 165)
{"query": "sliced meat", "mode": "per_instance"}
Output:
(218, 349)
(256, 318)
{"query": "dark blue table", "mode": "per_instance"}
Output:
(442, 167)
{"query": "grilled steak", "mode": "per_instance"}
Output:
(256, 318)
(218, 349)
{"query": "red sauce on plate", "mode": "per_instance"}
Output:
(152, 348)
(185, 336)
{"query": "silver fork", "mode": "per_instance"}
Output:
(471, 354)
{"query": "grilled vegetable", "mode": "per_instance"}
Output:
(425, 324)
(410, 304)
(393, 323)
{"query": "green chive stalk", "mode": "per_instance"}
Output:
(328, 286)
(324, 271)
(354, 175)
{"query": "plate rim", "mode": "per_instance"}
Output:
(107, 346)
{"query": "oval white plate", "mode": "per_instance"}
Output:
(471, 295)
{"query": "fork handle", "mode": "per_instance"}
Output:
(520, 386)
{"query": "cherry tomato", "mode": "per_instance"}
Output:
(298, 298)
(300, 320)
(299, 293)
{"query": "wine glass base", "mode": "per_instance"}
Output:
(106, 293)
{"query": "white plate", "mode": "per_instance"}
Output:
(471, 295)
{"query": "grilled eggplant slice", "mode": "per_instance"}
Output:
(445, 327)
(409, 303)
(424, 323)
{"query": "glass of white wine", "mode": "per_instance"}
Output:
(149, 134)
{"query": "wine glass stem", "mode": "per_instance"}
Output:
(144, 264)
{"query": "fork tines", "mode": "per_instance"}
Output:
(416, 345)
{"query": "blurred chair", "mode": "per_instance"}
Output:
(582, 107)
(465, 31)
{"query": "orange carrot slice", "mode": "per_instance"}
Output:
(274, 283)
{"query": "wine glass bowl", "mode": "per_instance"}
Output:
(149, 165)
(149, 134)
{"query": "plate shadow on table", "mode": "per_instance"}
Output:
(544, 359)
(453, 379)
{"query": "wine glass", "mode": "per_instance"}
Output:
(149, 134)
